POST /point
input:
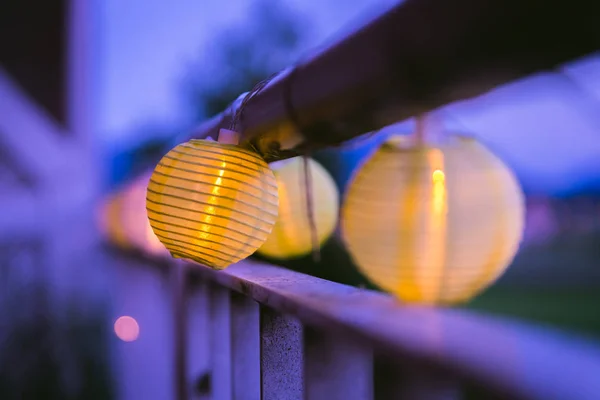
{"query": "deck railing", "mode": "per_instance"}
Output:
(276, 334)
(271, 333)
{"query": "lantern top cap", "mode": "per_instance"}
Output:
(227, 136)
(198, 143)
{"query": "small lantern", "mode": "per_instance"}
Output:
(292, 234)
(433, 224)
(110, 221)
(126, 222)
(135, 219)
(212, 202)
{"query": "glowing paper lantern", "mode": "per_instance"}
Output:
(292, 236)
(211, 202)
(433, 224)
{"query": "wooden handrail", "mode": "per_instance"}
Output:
(420, 55)
(517, 360)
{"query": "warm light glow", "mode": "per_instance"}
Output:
(291, 236)
(127, 328)
(134, 219)
(113, 221)
(212, 203)
(438, 176)
(433, 224)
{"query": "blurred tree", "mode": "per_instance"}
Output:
(241, 56)
(237, 58)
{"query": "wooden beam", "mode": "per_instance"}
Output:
(420, 55)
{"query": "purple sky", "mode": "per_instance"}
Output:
(546, 127)
(146, 44)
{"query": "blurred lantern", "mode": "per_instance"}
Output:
(126, 220)
(292, 234)
(433, 224)
(135, 219)
(110, 221)
(212, 202)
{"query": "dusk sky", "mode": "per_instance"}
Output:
(546, 127)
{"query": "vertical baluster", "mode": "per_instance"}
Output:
(199, 368)
(178, 277)
(336, 367)
(245, 347)
(220, 343)
(281, 356)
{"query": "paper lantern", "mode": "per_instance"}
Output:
(433, 224)
(124, 220)
(211, 202)
(111, 224)
(134, 218)
(291, 236)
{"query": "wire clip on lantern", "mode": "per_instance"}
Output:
(433, 224)
(212, 202)
(292, 235)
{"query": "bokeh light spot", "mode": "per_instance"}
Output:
(127, 328)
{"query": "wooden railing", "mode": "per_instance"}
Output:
(272, 333)
(266, 332)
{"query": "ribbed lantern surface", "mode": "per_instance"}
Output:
(433, 224)
(211, 202)
(292, 236)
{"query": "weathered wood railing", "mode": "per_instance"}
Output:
(272, 333)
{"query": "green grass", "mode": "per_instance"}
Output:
(571, 309)
(555, 283)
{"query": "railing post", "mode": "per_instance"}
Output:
(336, 367)
(199, 323)
(281, 356)
(179, 280)
(245, 347)
(220, 343)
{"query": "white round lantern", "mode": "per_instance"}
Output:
(433, 224)
(292, 235)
